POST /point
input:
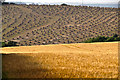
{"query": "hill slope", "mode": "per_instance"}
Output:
(52, 24)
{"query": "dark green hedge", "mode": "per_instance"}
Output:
(103, 39)
(8, 44)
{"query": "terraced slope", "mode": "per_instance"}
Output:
(53, 24)
(81, 60)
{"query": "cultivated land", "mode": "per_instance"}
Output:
(83, 60)
(54, 24)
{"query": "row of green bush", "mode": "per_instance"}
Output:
(8, 44)
(103, 39)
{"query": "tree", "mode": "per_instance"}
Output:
(63, 4)
(115, 35)
(3, 2)
(12, 43)
(117, 39)
(110, 39)
(2, 44)
(12, 3)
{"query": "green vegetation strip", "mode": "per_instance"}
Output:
(103, 39)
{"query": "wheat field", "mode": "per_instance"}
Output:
(80, 60)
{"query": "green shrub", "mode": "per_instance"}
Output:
(117, 39)
(3, 44)
(11, 43)
(110, 39)
(103, 39)
(8, 44)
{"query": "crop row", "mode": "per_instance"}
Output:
(53, 24)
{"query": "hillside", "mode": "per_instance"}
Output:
(83, 60)
(54, 24)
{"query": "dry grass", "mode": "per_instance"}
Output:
(84, 60)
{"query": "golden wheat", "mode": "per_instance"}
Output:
(84, 60)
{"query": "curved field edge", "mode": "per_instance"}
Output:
(60, 48)
(84, 60)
